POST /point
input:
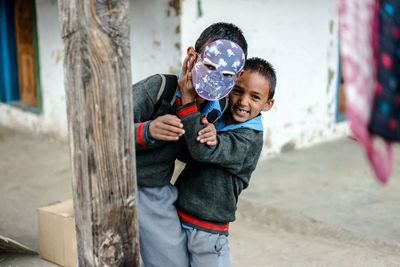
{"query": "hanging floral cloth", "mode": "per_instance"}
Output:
(366, 70)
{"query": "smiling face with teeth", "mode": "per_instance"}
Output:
(248, 97)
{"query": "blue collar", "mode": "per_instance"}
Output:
(254, 123)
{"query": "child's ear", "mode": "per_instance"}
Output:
(267, 106)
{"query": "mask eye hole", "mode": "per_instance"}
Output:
(210, 65)
(228, 74)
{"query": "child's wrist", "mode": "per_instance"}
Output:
(187, 95)
(186, 99)
(147, 134)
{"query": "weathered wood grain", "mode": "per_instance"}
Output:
(101, 133)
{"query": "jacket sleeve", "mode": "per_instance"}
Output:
(232, 147)
(144, 99)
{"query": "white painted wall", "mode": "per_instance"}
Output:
(155, 48)
(300, 39)
(155, 35)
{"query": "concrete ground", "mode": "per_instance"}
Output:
(319, 206)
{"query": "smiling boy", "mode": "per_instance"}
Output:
(158, 140)
(214, 176)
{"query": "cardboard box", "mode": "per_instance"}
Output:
(57, 239)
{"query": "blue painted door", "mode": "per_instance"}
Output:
(8, 61)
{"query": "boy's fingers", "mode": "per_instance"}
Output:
(212, 143)
(208, 140)
(203, 131)
(170, 117)
(206, 137)
(167, 127)
(208, 129)
(163, 133)
(167, 138)
(174, 123)
(172, 129)
(204, 121)
(184, 66)
(209, 134)
(187, 63)
(170, 134)
(172, 120)
(190, 68)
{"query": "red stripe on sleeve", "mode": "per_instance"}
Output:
(187, 111)
(140, 135)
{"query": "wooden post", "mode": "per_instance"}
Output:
(101, 132)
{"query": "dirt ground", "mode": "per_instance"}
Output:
(287, 217)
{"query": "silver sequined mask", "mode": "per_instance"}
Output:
(226, 58)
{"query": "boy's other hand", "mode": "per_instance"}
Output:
(167, 128)
(185, 83)
(208, 134)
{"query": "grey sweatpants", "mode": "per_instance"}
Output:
(207, 249)
(163, 242)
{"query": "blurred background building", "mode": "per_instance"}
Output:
(300, 38)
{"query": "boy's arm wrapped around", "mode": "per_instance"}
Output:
(150, 127)
(232, 147)
(144, 99)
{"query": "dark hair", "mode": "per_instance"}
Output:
(221, 30)
(261, 66)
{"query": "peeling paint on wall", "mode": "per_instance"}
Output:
(154, 37)
(331, 74)
(175, 5)
(199, 9)
(57, 56)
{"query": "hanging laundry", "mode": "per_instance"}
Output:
(358, 25)
(385, 116)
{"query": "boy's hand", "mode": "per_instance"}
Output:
(185, 83)
(208, 134)
(167, 128)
